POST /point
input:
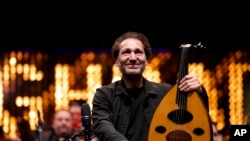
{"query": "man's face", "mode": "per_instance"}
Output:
(131, 59)
(215, 132)
(76, 114)
(62, 123)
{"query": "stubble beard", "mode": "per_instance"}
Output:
(132, 74)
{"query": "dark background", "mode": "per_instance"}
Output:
(64, 29)
(222, 27)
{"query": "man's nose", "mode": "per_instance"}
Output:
(132, 56)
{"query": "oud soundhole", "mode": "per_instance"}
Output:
(178, 135)
(180, 116)
(160, 129)
(198, 131)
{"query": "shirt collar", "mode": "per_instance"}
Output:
(147, 85)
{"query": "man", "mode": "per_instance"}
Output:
(75, 109)
(61, 127)
(216, 135)
(122, 110)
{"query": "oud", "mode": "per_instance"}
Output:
(181, 116)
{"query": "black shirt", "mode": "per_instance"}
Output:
(138, 126)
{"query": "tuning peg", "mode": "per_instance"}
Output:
(199, 45)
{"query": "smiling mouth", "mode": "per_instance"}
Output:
(133, 66)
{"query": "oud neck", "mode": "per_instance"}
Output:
(181, 97)
(183, 70)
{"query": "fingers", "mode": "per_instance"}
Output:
(189, 83)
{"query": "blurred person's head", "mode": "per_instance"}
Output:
(216, 135)
(62, 123)
(75, 110)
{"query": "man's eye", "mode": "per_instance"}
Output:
(125, 52)
(139, 52)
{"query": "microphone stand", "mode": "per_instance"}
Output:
(73, 136)
(40, 130)
(39, 127)
(86, 133)
(87, 136)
